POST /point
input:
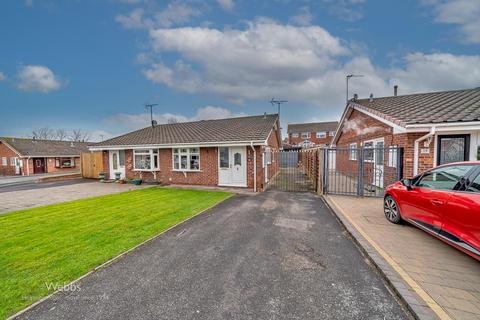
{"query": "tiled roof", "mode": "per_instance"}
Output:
(433, 107)
(43, 148)
(241, 129)
(312, 127)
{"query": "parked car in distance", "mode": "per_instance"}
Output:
(444, 201)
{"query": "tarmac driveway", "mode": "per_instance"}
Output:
(273, 255)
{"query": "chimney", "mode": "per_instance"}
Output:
(71, 144)
(265, 115)
(355, 97)
(395, 90)
(371, 97)
(154, 123)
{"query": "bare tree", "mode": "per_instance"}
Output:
(61, 134)
(44, 133)
(79, 135)
(172, 120)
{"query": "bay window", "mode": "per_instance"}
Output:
(146, 160)
(186, 159)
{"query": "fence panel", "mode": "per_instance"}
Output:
(365, 171)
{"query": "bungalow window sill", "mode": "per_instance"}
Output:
(146, 170)
(187, 170)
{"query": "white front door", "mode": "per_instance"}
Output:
(117, 163)
(378, 158)
(17, 166)
(232, 166)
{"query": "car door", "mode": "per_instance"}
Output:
(462, 220)
(427, 203)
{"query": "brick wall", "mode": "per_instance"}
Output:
(313, 138)
(5, 151)
(369, 129)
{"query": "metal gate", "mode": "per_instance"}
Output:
(365, 171)
(295, 170)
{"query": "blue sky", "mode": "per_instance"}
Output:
(93, 64)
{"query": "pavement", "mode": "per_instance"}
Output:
(29, 195)
(272, 255)
(435, 279)
(15, 180)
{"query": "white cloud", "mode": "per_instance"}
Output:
(137, 121)
(303, 18)
(299, 63)
(175, 13)
(464, 13)
(2, 76)
(227, 5)
(38, 78)
(29, 3)
(348, 10)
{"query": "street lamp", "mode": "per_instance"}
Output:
(352, 76)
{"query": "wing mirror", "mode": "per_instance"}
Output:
(407, 183)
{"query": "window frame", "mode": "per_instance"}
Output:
(466, 151)
(188, 154)
(60, 160)
(4, 161)
(308, 135)
(295, 135)
(152, 155)
(321, 134)
(331, 133)
(13, 161)
(352, 154)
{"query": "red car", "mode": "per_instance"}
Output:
(444, 201)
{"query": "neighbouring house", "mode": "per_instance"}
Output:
(223, 152)
(432, 128)
(20, 156)
(310, 134)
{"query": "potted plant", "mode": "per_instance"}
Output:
(137, 182)
(101, 176)
(118, 175)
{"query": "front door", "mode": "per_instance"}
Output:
(39, 165)
(232, 166)
(17, 165)
(378, 163)
(117, 164)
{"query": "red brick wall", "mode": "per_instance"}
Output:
(51, 165)
(313, 138)
(381, 130)
(5, 151)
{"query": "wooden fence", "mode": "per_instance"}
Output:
(92, 164)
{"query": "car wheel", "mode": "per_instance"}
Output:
(391, 210)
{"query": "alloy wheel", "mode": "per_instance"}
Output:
(390, 209)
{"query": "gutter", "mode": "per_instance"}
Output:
(181, 145)
(416, 147)
(254, 167)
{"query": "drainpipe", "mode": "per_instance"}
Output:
(416, 147)
(254, 167)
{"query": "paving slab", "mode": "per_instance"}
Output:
(448, 280)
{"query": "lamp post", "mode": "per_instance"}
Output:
(352, 76)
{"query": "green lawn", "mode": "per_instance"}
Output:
(56, 244)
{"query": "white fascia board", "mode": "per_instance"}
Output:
(183, 145)
(448, 126)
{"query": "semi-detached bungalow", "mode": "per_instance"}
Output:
(223, 152)
(432, 128)
(20, 156)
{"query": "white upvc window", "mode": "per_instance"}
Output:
(321, 134)
(13, 161)
(4, 161)
(186, 159)
(294, 135)
(332, 133)
(392, 156)
(305, 135)
(353, 151)
(146, 160)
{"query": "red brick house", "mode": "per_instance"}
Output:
(224, 152)
(310, 134)
(432, 128)
(20, 156)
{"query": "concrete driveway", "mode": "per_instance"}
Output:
(24, 196)
(273, 255)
